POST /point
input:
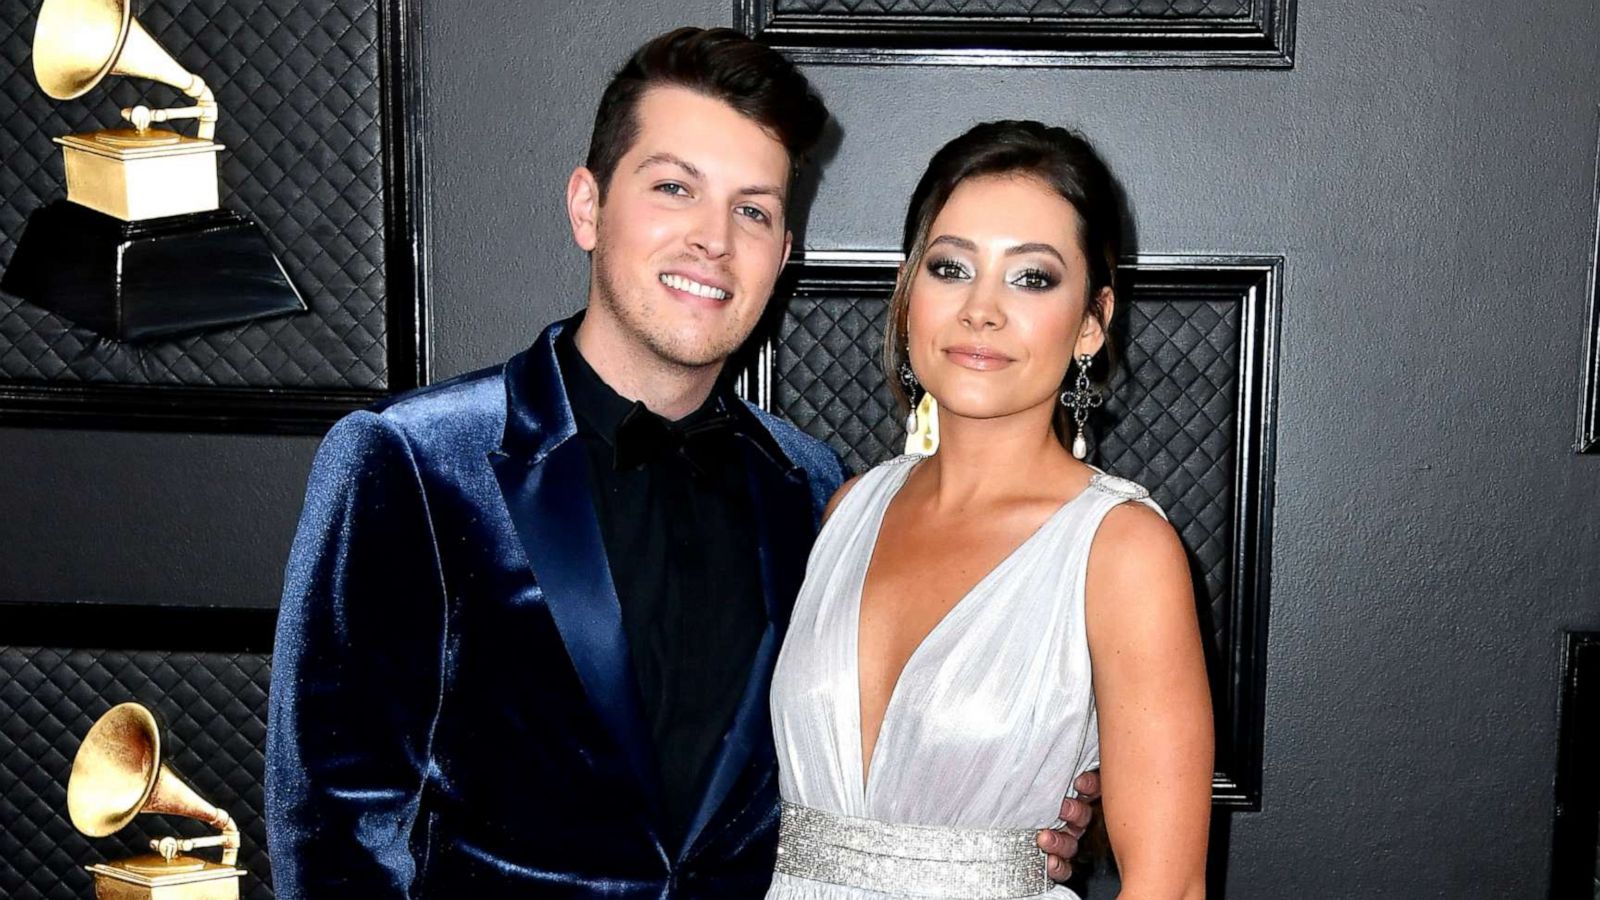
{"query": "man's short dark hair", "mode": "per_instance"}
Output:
(719, 63)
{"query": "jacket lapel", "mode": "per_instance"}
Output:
(781, 507)
(544, 478)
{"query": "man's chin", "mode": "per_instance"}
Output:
(694, 348)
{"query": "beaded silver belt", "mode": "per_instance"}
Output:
(920, 860)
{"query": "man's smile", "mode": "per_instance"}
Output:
(694, 287)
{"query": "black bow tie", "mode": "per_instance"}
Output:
(644, 437)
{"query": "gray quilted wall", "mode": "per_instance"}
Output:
(1428, 172)
(298, 89)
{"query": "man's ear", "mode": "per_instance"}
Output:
(583, 208)
(1092, 336)
(788, 244)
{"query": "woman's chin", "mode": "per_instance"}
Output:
(982, 406)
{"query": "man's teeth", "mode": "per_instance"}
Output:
(694, 287)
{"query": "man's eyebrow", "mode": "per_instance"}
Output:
(1036, 247)
(765, 190)
(671, 160)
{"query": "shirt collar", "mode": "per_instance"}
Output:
(599, 409)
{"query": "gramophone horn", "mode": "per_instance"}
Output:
(115, 771)
(79, 42)
(118, 774)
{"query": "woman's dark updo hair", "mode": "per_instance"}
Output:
(1058, 158)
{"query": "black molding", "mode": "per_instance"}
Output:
(1264, 40)
(1256, 284)
(109, 626)
(290, 410)
(1574, 868)
(1589, 398)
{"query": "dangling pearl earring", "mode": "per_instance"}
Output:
(922, 438)
(908, 378)
(1083, 397)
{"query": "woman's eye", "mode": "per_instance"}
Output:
(947, 269)
(1034, 280)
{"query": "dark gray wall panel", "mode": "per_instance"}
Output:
(1426, 170)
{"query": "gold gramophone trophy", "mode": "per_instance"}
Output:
(118, 774)
(140, 248)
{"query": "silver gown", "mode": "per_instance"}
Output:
(991, 720)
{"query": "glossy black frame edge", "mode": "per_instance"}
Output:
(1577, 794)
(1267, 42)
(1589, 399)
(119, 626)
(1258, 283)
(289, 410)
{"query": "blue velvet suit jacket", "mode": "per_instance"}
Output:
(453, 710)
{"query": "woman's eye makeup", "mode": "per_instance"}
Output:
(1031, 278)
(1035, 279)
(946, 269)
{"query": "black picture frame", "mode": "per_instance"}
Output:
(1588, 440)
(205, 673)
(1254, 284)
(1575, 859)
(290, 410)
(1262, 38)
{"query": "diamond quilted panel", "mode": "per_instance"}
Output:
(828, 379)
(1169, 423)
(1033, 9)
(299, 95)
(215, 707)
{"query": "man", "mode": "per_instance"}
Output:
(532, 612)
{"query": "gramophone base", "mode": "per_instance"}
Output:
(154, 278)
(152, 878)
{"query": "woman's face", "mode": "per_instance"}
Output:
(997, 307)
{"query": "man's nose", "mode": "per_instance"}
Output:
(711, 234)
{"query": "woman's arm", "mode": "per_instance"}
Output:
(1154, 705)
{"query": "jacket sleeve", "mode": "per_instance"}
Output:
(356, 672)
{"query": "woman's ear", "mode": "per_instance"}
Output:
(1092, 336)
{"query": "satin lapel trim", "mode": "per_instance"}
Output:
(781, 507)
(554, 516)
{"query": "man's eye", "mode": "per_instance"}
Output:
(755, 213)
(672, 188)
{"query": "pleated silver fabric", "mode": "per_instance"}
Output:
(925, 860)
(991, 720)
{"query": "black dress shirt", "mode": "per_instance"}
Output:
(678, 533)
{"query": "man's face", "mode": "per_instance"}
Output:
(690, 237)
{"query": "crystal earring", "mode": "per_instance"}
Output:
(908, 378)
(1083, 397)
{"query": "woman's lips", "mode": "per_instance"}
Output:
(983, 359)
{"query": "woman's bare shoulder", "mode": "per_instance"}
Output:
(838, 496)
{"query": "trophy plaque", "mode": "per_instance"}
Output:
(140, 247)
(118, 774)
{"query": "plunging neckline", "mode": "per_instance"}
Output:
(864, 768)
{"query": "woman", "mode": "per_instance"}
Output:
(937, 669)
